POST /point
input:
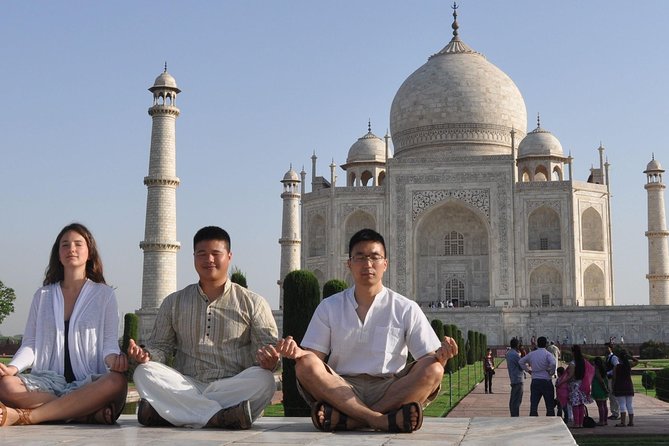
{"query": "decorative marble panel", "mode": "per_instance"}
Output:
(553, 204)
(423, 200)
(534, 263)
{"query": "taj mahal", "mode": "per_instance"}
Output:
(485, 226)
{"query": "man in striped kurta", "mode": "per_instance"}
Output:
(214, 329)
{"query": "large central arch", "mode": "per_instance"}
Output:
(437, 264)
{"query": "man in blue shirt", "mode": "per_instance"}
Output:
(516, 375)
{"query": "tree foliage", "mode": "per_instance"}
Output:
(438, 328)
(333, 286)
(301, 295)
(130, 330)
(648, 379)
(238, 277)
(471, 347)
(7, 298)
(653, 350)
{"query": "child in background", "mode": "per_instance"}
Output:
(600, 390)
(562, 392)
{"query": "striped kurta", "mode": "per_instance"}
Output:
(212, 340)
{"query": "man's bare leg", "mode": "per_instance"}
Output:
(417, 385)
(323, 386)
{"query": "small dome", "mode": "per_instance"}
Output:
(369, 148)
(540, 142)
(291, 176)
(654, 165)
(165, 80)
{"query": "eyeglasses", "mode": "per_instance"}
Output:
(375, 259)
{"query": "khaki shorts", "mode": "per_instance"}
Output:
(369, 389)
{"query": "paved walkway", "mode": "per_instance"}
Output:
(651, 416)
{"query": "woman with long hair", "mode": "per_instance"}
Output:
(70, 343)
(623, 388)
(600, 390)
(580, 373)
(488, 370)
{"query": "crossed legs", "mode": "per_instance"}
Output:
(106, 394)
(417, 385)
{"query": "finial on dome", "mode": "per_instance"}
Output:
(165, 67)
(538, 121)
(455, 20)
(653, 156)
(369, 125)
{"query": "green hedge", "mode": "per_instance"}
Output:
(662, 384)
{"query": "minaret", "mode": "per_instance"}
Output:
(160, 230)
(290, 228)
(658, 236)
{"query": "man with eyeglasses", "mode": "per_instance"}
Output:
(215, 329)
(367, 331)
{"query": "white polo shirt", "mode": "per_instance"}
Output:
(393, 326)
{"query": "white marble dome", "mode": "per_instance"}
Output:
(291, 176)
(459, 100)
(654, 165)
(368, 148)
(540, 142)
(165, 80)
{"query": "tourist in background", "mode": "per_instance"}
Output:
(488, 370)
(516, 376)
(562, 395)
(70, 342)
(555, 351)
(611, 363)
(580, 373)
(623, 389)
(600, 390)
(541, 364)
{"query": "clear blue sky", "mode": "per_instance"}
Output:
(264, 84)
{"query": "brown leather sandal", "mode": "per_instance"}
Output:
(24, 417)
(5, 416)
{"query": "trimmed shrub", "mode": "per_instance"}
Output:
(239, 278)
(662, 385)
(653, 350)
(648, 379)
(333, 286)
(470, 347)
(130, 330)
(301, 295)
(438, 328)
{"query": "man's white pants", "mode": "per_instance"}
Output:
(185, 401)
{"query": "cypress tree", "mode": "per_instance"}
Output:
(438, 328)
(130, 330)
(471, 347)
(301, 295)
